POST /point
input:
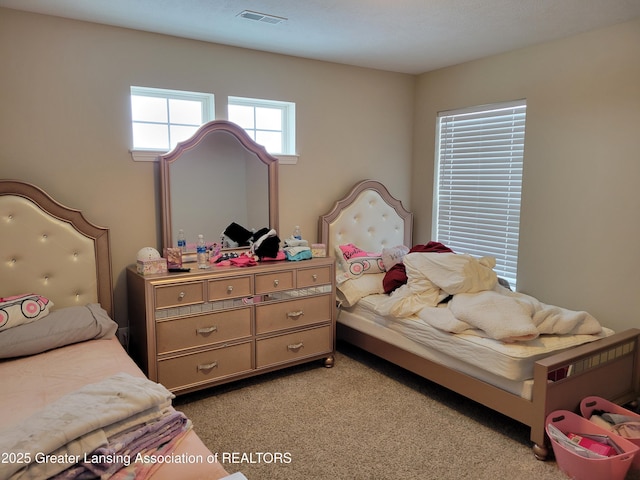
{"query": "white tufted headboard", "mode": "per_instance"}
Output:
(369, 217)
(51, 250)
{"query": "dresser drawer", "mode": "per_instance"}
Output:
(311, 277)
(274, 282)
(293, 313)
(179, 295)
(205, 366)
(202, 330)
(293, 346)
(233, 287)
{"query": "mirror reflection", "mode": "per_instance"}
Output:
(217, 178)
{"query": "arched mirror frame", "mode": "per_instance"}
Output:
(245, 140)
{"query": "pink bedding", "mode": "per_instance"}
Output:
(30, 383)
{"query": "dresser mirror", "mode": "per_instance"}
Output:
(217, 177)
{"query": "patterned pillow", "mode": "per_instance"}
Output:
(21, 309)
(363, 265)
(355, 262)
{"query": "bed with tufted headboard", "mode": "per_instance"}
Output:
(73, 401)
(53, 249)
(525, 380)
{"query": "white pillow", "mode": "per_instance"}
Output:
(393, 255)
(352, 290)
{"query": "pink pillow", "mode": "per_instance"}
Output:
(355, 262)
(351, 251)
(21, 309)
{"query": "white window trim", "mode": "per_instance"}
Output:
(154, 156)
(146, 155)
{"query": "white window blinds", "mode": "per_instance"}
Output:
(479, 182)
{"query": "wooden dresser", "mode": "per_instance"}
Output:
(206, 327)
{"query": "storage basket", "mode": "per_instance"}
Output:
(589, 404)
(581, 468)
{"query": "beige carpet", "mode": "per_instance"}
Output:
(362, 419)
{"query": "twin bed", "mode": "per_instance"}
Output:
(523, 379)
(74, 405)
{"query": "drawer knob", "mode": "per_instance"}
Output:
(230, 289)
(295, 315)
(206, 330)
(294, 347)
(181, 295)
(207, 366)
(276, 282)
(314, 277)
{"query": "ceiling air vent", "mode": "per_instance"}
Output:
(261, 17)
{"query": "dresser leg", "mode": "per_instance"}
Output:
(540, 451)
(329, 361)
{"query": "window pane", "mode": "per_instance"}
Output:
(268, 118)
(272, 122)
(147, 135)
(148, 109)
(242, 115)
(272, 141)
(185, 111)
(180, 133)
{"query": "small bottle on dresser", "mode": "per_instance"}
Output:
(182, 241)
(297, 234)
(201, 251)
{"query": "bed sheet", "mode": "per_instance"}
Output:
(30, 383)
(507, 366)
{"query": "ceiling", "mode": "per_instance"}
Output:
(410, 36)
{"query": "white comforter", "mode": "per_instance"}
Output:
(479, 304)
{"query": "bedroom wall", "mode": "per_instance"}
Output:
(65, 119)
(579, 224)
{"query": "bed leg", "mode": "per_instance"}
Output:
(329, 361)
(540, 451)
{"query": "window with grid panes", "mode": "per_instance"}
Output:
(162, 118)
(270, 123)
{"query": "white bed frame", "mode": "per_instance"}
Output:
(371, 218)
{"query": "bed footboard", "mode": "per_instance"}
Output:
(608, 368)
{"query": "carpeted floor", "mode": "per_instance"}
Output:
(361, 419)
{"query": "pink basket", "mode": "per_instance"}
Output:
(581, 468)
(589, 404)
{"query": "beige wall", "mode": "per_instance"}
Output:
(581, 195)
(64, 121)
